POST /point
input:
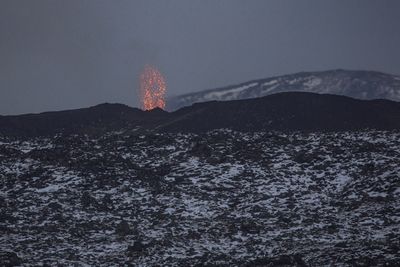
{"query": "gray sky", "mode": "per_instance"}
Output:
(61, 54)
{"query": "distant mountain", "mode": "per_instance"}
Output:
(356, 84)
(290, 111)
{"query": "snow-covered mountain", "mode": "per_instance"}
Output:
(356, 84)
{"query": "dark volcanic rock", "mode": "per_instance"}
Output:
(123, 228)
(9, 259)
(136, 248)
(283, 260)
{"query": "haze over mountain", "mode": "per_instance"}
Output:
(356, 84)
(289, 111)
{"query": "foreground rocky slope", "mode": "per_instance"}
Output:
(220, 198)
(351, 83)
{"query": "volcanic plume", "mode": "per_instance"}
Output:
(152, 88)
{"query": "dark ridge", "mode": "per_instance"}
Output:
(290, 111)
(92, 120)
(156, 111)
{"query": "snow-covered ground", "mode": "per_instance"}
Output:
(223, 198)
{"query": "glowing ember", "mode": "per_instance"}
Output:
(152, 89)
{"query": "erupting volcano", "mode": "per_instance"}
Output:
(152, 88)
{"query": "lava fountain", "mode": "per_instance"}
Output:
(152, 88)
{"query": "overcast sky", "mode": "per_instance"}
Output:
(66, 54)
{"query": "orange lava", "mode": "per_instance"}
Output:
(152, 89)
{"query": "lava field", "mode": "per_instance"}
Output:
(221, 198)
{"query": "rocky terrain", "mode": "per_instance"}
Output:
(219, 198)
(355, 84)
